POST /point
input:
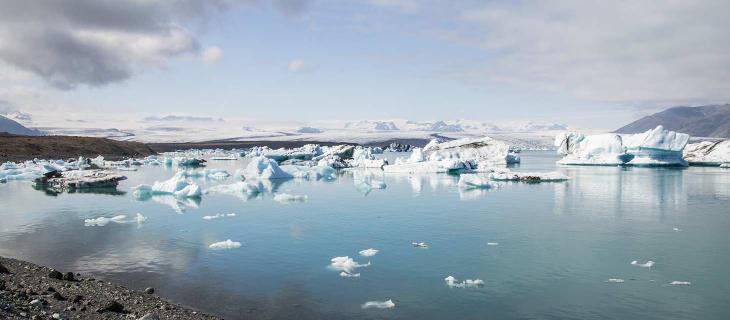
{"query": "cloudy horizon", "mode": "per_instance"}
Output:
(587, 64)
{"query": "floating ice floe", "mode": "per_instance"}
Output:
(379, 304)
(228, 244)
(313, 173)
(615, 280)
(467, 154)
(217, 174)
(228, 157)
(655, 147)
(474, 181)
(725, 165)
(419, 244)
(369, 252)
(528, 176)
(676, 229)
(492, 243)
(648, 264)
(80, 179)
(680, 283)
(349, 275)
(218, 216)
(708, 153)
(102, 221)
(346, 264)
(468, 283)
(178, 186)
(285, 197)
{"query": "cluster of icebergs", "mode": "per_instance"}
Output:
(655, 147)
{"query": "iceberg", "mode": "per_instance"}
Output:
(363, 157)
(648, 264)
(345, 264)
(419, 244)
(264, 168)
(223, 245)
(528, 176)
(708, 153)
(102, 221)
(241, 188)
(680, 283)
(349, 275)
(467, 154)
(178, 186)
(369, 252)
(379, 304)
(468, 283)
(615, 280)
(79, 179)
(217, 174)
(313, 173)
(655, 147)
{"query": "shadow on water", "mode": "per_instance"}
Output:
(53, 192)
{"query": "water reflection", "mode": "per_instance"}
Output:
(53, 192)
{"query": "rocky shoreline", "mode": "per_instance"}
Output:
(29, 291)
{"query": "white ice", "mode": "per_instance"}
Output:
(349, 275)
(419, 244)
(369, 252)
(264, 168)
(218, 216)
(379, 304)
(178, 186)
(648, 264)
(492, 243)
(680, 283)
(714, 153)
(228, 244)
(346, 264)
(248, 189)
(474, 181)
(615, 280)
(468, 283)
(102, 221)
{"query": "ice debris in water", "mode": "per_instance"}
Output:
(238, 188)
(680, 283)
(529, 176)
(492, 243)
(285, 197)
(648, 264)
(102, 221)
(369, 252)
(419, 244)
(615, 280)
(676, 229)
(473, 181)
(349, 275)
(468, 283)
(379, 304)
(228, 244)
(345, 264)
(218, 216)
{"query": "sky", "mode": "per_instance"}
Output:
(588, 64)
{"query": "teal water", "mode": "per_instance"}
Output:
(558, 244)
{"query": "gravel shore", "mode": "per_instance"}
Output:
(29, 291)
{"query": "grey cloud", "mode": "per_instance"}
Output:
(96, 42)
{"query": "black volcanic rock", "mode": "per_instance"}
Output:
(705, 121)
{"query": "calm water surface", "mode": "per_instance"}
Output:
(558, 244)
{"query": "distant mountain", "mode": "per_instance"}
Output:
(372, 125)
(704, 121)
(534, 126)
(12, 127)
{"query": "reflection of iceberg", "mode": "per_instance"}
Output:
(180, 205)
(366, 180)
(244, 189)
(710, 153)
(656, 147)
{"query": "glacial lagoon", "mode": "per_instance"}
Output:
(543, 250)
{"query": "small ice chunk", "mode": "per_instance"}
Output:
(648, 264)
(468, 283)
(379, 304)
(473, 181)
(228, 244)
(615, 280)
(345, 264)
(349, 275)
(680, 283)
(369, 252)
(140, 218)
(419, 244)
(285, 197)
(492, 243)
(676, 229)
(218, 216)
(102, 221)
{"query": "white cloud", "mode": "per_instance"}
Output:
(212, 55)
(627, 52)
(296, 65)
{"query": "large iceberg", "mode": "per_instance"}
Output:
(264, 168)
(363, 157)
(708, 153)
(655, 147)
(467, 154)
